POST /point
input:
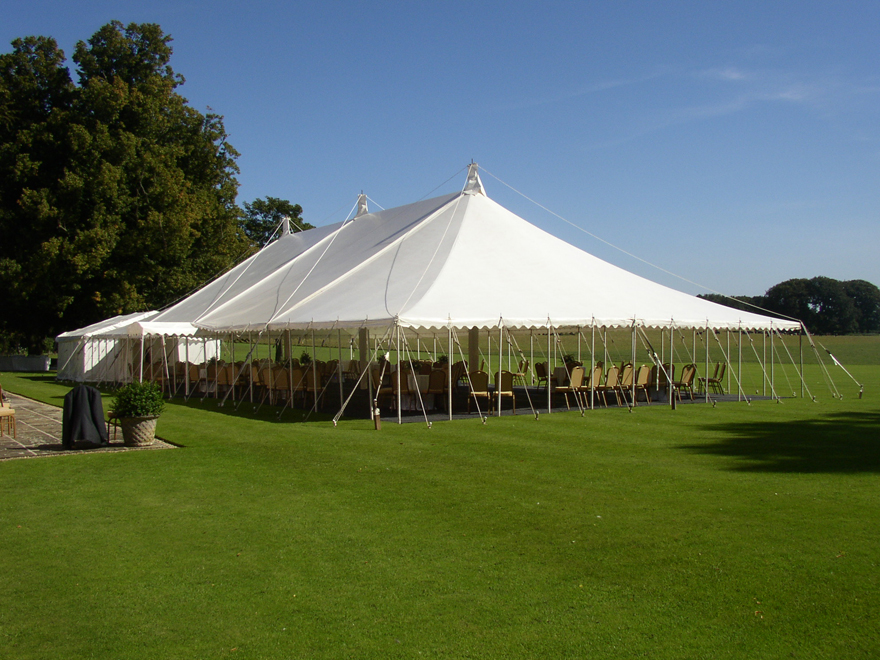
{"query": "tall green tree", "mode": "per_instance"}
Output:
(825, 305)
(821, 303)
(115, 194)
(866, 298)
(262, 217)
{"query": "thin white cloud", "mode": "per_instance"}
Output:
(730, 90)
(581, 90)
(727, 73)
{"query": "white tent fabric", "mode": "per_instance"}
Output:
(107, 326)
(101, 352)
(93, 353)
(459, 260)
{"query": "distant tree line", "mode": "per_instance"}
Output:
(825, 305)
(116, 195)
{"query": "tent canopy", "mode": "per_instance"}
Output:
(109, 327)
(458, 260)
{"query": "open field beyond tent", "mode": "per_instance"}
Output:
(728, 532)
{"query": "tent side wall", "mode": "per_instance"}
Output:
(71, 360)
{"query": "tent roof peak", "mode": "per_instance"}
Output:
(474, 186)
(362, 206)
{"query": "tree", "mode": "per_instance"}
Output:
(115, 194)
(261, 218)
(825, 305)
(791, 298)
(38, 96)
(866, 298)
(821, 303)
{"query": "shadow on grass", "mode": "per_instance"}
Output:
(247, 410)
(835, 443)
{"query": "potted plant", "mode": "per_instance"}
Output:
(305, 359)
(138, 406)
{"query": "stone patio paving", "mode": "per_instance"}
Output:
(39, 433)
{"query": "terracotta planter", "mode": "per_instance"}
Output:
(138, 431)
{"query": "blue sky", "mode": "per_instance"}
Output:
(736, 144)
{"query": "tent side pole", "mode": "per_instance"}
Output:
(339, 365)
(315, 383)
(500, 358)
(633, 347)
(592, 364)
(251, 365)
(662, 346)
(400, 376)
(449, 358)
(168, 380)
(740, 362)
(764, 362)
(579, 343)
(489, 350)
(801, 358)
(605, 345)
(531, 356)
(706, 373)
(670, 384)
(727, 369)
(772, 363)
(549, 391)
(289, 366)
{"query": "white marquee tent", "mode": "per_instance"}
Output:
(456, 261)
(450, 263)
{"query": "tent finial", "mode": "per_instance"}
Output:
(285, 225)
(473, 186)
(362, 205)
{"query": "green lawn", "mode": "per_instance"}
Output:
(729, 532)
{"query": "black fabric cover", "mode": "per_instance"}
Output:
(83, 417)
